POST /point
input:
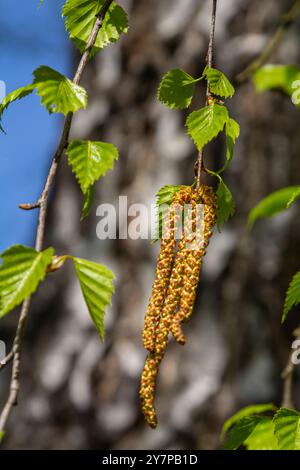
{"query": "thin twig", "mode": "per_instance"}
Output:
(29, 207)
(40, 235)
(209, 61)
(286, 21)
(287, 376)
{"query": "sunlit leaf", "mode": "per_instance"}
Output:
(206, 123)
(88, 198)
(13, 96)
(90, 160)
(177, 89)
(96, 282)
(80, 19)
(21, 272)
(287, 429)
(57, 92)
(246, 412)
(273, 204)
(292, 296)
(263, 436)
(219, 83)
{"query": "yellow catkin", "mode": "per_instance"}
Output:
(180, 292)
(149, 375)
(164, 269)
(160, 337)
(159, 289)
(147, 389)
(193, 264)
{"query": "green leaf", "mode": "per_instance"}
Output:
(80, 19)
(226, 204)
(88, 198)
(246, 412)
(57, 92)
(96, 282)
(177, 89)
(273, 204)
(294, 197)
(280, 77)
(263, 436)
(292, 296)
(206, 123)
(219, 83)
(90, 160)
(287, 429)
(22, 270)
(232, 134)
(13, 96)
(166, 194)
(241, 431)
(164, 199)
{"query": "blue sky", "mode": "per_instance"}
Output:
(29, 37)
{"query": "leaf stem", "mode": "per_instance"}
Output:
(42, 204)
(209, 61)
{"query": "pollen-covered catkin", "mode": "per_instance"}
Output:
(149, 375)
(158, 336)
(147, 390)
(160, 286)
(164, 269)
(194, 262)
(174, 290)
(180, 291)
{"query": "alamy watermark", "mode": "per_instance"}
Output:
(295, 358)
(138, 221)
(296, 94)
(2, 90)
(2, 350)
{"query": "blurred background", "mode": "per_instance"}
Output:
(78, 393)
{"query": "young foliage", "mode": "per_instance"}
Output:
(80, 18)
(90, 160)
(218, 83)
(246, 412)
(177, 89)
(13, 96)
(88, 198)
(274, 203)
(287, 429)
(241, 431)
(257, 432)
(164, 199)
(277, 77)
(96, 282)
(292, 296)
(248, 427)
(294, 197)
(263, 436)
(226, 204)
(232, 134)
(22, 271)
(58, 93)
(206, 123)
(166, 194)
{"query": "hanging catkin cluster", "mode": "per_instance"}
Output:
(176, 280)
